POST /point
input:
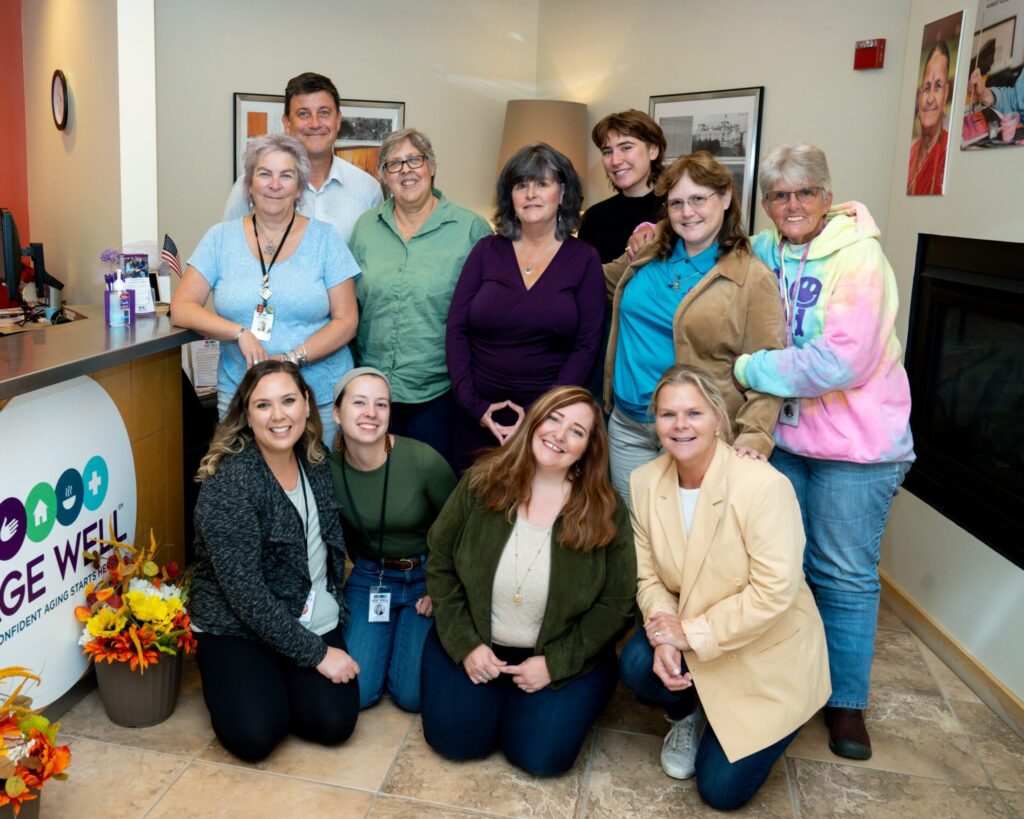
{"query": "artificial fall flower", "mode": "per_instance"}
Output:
(106, 623)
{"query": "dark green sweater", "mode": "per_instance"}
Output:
(591, 596)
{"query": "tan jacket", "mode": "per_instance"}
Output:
(734, 309)
(758, 655)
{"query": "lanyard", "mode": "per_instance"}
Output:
(788, 306)
(305, 507)
(265, 283)
(359, 518)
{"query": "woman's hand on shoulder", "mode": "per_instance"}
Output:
(641, 236)
(668, 667)
(338, 666)
(482, 665)
(748, 452)
(531, 675)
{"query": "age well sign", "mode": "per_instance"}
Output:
(66, 477)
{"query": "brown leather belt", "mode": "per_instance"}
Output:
(403, 564)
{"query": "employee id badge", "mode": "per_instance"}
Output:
(789, 413)
(380, 604)
(307, 608)
(262, 322)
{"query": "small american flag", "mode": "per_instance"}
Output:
(170, 254)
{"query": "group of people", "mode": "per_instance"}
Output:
(503, 525)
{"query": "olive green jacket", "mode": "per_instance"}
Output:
(591, 596)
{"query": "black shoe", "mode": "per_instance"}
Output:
(848, 736)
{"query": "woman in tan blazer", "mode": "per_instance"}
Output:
(728, 616)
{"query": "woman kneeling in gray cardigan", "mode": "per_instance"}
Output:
(532, 573)
(270, 565)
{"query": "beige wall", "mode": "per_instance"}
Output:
(975, 594)
(74, 175)
(454, 64)
(614, 55)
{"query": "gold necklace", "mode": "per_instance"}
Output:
(517, 598)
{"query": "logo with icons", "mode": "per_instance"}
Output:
(47, 505)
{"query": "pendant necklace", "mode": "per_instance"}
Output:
(517, 598)
(528, 267)
(270, 246)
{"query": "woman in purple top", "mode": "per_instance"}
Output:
(529, 304)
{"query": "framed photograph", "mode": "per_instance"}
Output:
(726, 124)
(992, 118)
(364, 125)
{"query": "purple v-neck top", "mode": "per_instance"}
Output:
(504, 342)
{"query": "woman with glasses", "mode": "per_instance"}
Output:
(695, 295)
(843, 435)
(528, 310)
(410, 250)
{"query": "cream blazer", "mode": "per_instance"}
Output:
(758, 655)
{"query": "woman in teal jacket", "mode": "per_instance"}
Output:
(532, 575)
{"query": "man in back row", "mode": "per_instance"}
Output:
(338, 191)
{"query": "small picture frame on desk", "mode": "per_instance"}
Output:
(136, 278)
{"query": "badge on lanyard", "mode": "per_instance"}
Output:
(380, 604)
(262, 322)
(789, 413)
(307, 609)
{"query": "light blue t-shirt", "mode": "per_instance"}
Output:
(645, 347)
(299, 285)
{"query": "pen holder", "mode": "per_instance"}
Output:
(116, 312)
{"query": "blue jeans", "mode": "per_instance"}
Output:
(540, 732)
(631, 444)
(430, 422)
(388, 653)
(722, 784)
(844, 508)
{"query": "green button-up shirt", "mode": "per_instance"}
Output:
(405, 291)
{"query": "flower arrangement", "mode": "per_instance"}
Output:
(29, 754)
(135, 612)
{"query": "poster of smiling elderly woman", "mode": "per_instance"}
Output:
(940, 44)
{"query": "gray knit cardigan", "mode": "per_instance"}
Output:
(251, 572)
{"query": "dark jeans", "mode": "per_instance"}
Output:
(430, 422)
(722, 784)
(255, 696)
(540, 732)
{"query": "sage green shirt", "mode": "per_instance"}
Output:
(405, 291)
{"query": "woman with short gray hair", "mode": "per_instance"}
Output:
(843, 433)
(283, 284)
(528, 310)
(410, 250)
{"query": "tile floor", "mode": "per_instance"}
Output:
(939, 752)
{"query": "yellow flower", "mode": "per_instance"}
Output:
(148, 608)
(106, 623)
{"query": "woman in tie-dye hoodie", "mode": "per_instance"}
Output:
(843, 435)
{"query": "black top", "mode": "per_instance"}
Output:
(609, 224)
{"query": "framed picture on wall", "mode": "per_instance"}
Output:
(364, 125)
(992, 109)
(726, 124)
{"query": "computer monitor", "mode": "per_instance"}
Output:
(10, 261)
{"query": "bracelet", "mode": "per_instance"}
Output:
(241, 330)
(301, 356)
(290, 357)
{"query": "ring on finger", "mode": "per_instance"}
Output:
(657, 633)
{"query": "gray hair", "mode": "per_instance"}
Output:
(261, 146)
(420, 141)
(680, 374)
(794, 164)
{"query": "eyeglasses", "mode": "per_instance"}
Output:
(696, 202)
(804, 195)
(414, 162)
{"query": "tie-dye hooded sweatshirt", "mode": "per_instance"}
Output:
(844, 361)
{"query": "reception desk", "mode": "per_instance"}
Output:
(139, 366)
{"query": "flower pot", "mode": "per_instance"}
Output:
(29, 810)
(137, 700)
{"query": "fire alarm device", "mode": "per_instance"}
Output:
(869, 54)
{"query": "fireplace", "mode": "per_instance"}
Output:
(965, 359)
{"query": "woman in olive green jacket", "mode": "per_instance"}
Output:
(532, 573)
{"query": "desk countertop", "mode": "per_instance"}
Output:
(49, 355)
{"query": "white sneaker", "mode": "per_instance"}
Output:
(679, 751)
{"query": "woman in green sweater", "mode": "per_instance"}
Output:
(390, 489)
(533, 577)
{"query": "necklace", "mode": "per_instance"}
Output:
(517, 598)
(529, 266)
(270, 245)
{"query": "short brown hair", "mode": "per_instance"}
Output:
(638, 125)
(708, 172)
(501, 476)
